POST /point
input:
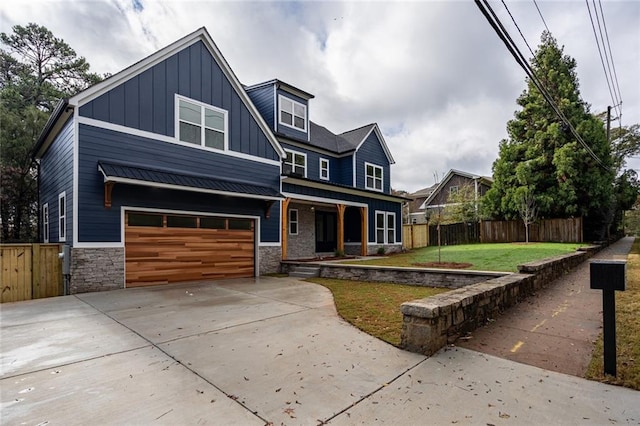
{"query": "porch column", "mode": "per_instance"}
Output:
(341, 208)
(285, 226)
(364, 237)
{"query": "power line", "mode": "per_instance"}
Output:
(613, 64)
(516, 24)
(606, 56)
(595, 34)
(502, 33)
(541, 17)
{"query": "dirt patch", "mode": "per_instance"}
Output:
(445, 265)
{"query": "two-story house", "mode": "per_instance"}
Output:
(171, 170)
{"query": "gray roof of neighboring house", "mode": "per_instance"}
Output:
(178, 178)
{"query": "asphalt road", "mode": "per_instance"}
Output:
(555, 329)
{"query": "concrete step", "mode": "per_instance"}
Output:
(304, 271)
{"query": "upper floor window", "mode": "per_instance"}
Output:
(293, 114)
(453, 190)
(45, 223)
(297, 162)
(201, 124)
(324, 169)
(62, 215)
(373, 177)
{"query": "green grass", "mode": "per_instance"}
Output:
(627, 331)
(486, 257)
(374, 307)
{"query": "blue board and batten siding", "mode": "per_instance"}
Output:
(372, 203)
(56, 176)
(371, 151)
(263, 98)
(98, 224)
(147, 100)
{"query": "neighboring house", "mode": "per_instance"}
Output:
(172, 170)
(454, 181)
(416, 215)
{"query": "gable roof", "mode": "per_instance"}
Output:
(447, 178)
(353, 136)
(284, 86)
(139, 67)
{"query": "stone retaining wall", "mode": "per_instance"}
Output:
(431, 323)
(450, 278)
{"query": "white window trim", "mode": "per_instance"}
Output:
(297, 221)
(453, 189)
(291, 126)
(45, 222)
(374, 178)
(62, 218)
(385, 227)
(293, 160)
(326, 160)
(224, 112)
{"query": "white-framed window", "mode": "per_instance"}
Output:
(373, 177)
(324, 169)
(62, 216)
(297, 161)
(45, 222)
(293, 222)
(292, 114)
(201, 124)
(385, 227)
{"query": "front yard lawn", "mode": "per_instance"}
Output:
(627, 331)
(374, 307)
(484, 257)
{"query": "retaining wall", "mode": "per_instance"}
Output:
(431, 323)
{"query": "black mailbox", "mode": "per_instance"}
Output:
(608, 274)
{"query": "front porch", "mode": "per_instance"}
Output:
(315, 229)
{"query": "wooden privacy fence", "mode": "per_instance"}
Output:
(30, 271)
(493, 231)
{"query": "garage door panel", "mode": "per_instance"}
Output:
(156, 255)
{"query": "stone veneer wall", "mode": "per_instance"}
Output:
(430, 323)
(303, 245)
(388, 248)
(96, 269)
(270, 258)
(450, 278)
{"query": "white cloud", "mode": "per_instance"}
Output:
(433, 74)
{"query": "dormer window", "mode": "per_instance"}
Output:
(293, 114)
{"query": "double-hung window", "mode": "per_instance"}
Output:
(297, 162)
(45, 222)
(201, 124)
(324, 169)
(385, 227)
(293, 114)
(373, 177)
(62, 215)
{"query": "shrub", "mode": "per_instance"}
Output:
(381, 250)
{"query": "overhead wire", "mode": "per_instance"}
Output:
(541, 17)
(595, 34)
(503, 34)
(518, 27)
(613, 64)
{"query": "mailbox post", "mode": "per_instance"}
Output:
(609, 276)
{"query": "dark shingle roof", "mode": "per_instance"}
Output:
(355, 136)
(179, 178)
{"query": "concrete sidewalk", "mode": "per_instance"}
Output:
(264, 351)
(556, 329)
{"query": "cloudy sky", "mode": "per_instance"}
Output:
(433, 75)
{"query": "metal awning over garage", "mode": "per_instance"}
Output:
(135, 174)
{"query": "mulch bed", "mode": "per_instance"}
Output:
(445, 265)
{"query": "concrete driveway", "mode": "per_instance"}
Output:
(271, 350)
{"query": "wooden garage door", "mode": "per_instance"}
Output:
(165, 248)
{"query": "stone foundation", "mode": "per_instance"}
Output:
(270, 258)
(389, 248)
(96, 269)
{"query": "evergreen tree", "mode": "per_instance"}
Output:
(36, 71)
(542, 156)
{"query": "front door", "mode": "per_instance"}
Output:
(326, 231)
